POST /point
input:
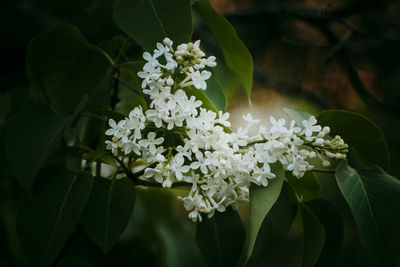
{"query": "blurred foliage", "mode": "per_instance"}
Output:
(316, 55)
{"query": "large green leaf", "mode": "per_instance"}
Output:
(362, 135)
(108, 210)
(313, 235)
(150, 21)
(46, 220)
(221, 238)
(306, 187)
(180, 245)
(331, 220)
(374, 199)
(62, 67)
(31, 138)
(261, 201)
(275, 226)
(237, 57)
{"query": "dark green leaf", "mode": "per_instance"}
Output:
(108, 210)
(100, 155)
(46, 220)
(150, 21)
(362, 135)
(262, 200)
(237, 57)
(63, 66)
(221, 238)
(331, 220)
(275, 226)
(374, 199)
(306, 187)
(314, 237)
(31, 138)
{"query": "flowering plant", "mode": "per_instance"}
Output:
(181, 141)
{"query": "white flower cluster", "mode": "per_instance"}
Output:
(181, 141)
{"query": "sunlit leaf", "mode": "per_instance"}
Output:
(374, 199)
(262, 199)
(46, 220)
(30, 139)
(150, 21)
(221, 238)
(237, 57)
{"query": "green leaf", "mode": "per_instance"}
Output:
(362, 135)
(108, 210)
(31, 138)
(46, 220)
(214, 91)
(314, 236)
(221, 238)
(150, 21)
(306, 187)
(262, 200)
(275, 226)
(331, 220)
(374, 199)
(100, 155)
(237, 57)
(62, 67)
(180, 245)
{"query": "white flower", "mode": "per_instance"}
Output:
(250, 121)
(151, 142)
(278, 126)
(310, 127)
(198, 78)
(161, 50)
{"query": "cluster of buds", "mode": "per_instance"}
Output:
(182, 141)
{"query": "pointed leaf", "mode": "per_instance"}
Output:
(31, 138)
(108, 210)
(374, 199)
(160, 18)
(331, 220)
(275, 226)
(237, 57)
(314, 237)
(46, 220)
(62, 67)
(261, 201)
(361, 134)
(221, 238)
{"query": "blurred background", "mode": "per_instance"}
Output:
(308, 54)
